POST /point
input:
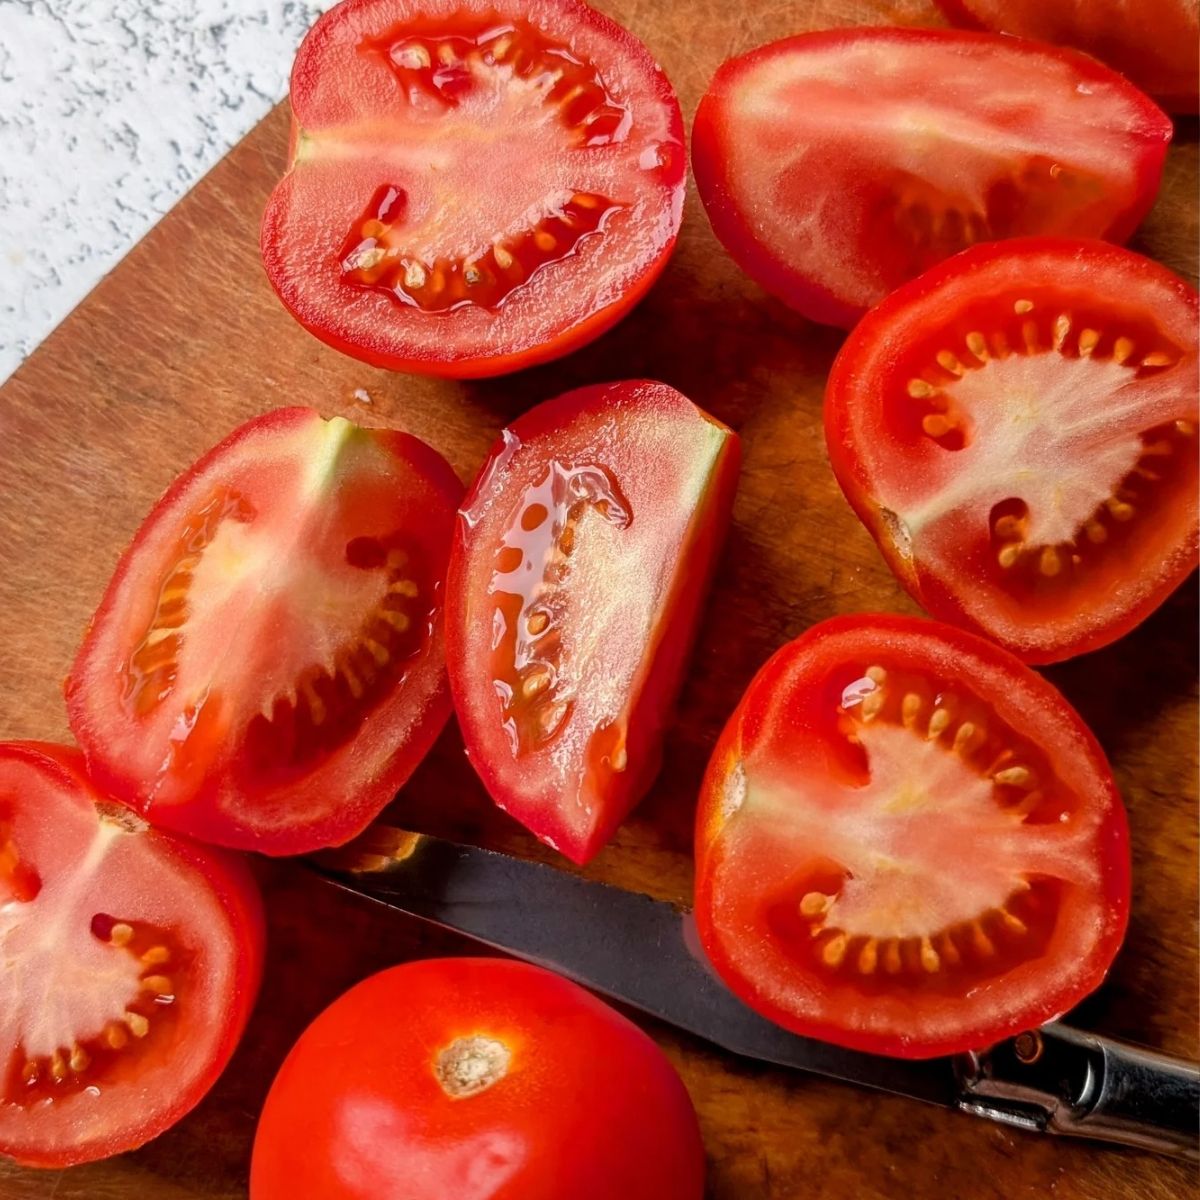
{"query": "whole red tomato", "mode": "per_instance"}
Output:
(475, 1079)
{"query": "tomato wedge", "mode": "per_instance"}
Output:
(836, 165)
(266, 667)
(1017, 429)
(908, 842)
(474, 187)
(1155, 43)
(130, 963)
(475, 1079)
(582, 557)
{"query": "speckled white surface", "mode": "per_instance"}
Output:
(109, 111)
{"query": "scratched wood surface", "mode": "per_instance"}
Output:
(185, 339)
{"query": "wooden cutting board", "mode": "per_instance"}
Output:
(185, 339)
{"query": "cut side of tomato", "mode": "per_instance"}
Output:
(476, 1079)
(836, 165)
(908, 842)
(266, 667)
(1154, 43)
(130, 962)
(1017, 429)
(581, 560)
(474, 187)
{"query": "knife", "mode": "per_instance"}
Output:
(645, 953)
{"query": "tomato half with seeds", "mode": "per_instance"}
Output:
(908, 842)
(836, 165)
(129, 962)
(476, 1079)
(474, 186)
(266, 668)
(1017, 429)
(581, 560)
(1155, 43)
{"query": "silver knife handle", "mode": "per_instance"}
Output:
(1061, 1080)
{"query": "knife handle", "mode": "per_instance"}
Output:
(1065, 1081)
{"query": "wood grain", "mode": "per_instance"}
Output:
(185, 339)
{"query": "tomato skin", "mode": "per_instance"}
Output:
(1157, 51)
(213, 796)
(800, 275)
(118, 1121)
(553, 312)
(783, 724)
(860, 442)
(677, 470)
(589, 1107)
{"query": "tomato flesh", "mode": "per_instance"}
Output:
(836, 165)
(908, 843)
(473, 188)
(477, 1079)
(266, 666)
(579, 566)
(130, 963)
(1017, 428)
(1155, 43)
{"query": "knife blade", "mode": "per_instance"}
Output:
(645, 953)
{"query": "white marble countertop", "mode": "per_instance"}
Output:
(109, 111)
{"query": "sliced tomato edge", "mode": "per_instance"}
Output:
(1115, 886)
(234, 886)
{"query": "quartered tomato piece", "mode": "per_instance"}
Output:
(1155, 43)
(475, 1079)
(836, 165)
(474, 186)
(908, 842)
(1017, 428)
(266, 667)
(129, 961)
(582, 557)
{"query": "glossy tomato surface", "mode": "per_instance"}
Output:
(1017, 428)
(836, 165)
(580, 564)
(266, 667)
(474, 186)
(130, 963)
(908, 842)
(476, 1079)
(1155, 43)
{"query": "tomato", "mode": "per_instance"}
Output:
(474, 186)
(475, 1079)
(836, 165)
(908, 842)
(130, 962)
(266, 667)
(1017, 429)
(1156, 43)
(582, 557)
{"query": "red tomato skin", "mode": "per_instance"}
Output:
(203, 818)
(805, 295)
(238, 894)
(746, 725)
(491, 759)
(428, 356)
(924, 587)
(590, 1107)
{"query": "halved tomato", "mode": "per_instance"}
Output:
(1155, 43)
(908, 842)
(266, 667)
(582, 557)
(836, 165)
(475, 185)
(130, 962)
(1017, 429)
